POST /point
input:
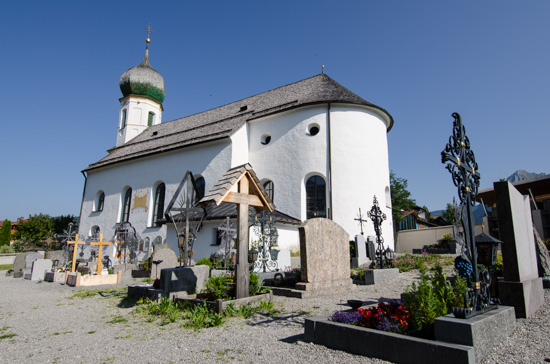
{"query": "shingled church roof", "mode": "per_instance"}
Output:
(224, 121)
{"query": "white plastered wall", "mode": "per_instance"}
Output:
(137, 115)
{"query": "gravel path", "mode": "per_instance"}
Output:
(49, 327)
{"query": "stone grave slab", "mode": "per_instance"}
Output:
(39, 269)
(522, 287)
(375, 276)
(58, 255)
(169, 260)
(324, 256)
(31, 257)
(360, 252)
(19, 265)
(174, 281)
(371, 248)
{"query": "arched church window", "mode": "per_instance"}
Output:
(158, 210)
(200, 183)
(269, 189)
(123, 119)
(100, 201)
(125, 215)
(151, 118)
(316, 200)
(94, 232)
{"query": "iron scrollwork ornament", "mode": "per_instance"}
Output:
(461, 163)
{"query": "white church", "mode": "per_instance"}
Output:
(318, 149)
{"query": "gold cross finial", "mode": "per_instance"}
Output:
(149, 31)
(323, 69)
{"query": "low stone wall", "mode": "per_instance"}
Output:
(78, 280)
(6, 259)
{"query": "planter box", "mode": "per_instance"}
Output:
(481, 333)
(373, 276)
(220, 305)
(78, 280)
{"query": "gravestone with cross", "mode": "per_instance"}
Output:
(461, 163)
(249, 192)
(101, 244)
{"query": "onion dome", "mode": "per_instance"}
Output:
(143, 80)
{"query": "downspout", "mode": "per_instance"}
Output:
(83, 194)
(329, 162)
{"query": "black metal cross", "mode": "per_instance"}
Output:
(377, 217)
(264, 226)
(67, 235)
(227, 231)
(361, 220)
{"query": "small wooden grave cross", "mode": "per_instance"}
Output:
(249, 192)
(76, 243)
(100, 243)
(361, 220)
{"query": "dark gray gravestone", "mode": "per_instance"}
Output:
(360, 252)
(522, 286)
(371, 249)
(30, 258)
(19, 265)
(174, 281)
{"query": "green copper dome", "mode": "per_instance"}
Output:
(143, 80)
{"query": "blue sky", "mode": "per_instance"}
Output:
(420, 60)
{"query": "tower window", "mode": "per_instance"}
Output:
(269, 189)
(266, 138)
(151, 118)
(313, 129)
(200, 183)
(158, 211)
(100, 201)
(316, 197)
(123, 119)
(125, 214)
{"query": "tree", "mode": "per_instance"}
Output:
(400, 198)
(61, 223)
(5, 233)
(449, 214)
(36, 230)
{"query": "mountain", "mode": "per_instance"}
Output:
(521, 175)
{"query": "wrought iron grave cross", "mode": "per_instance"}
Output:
(463, 167)
(361, 220)
(227, 231)
(264, 226)
(377, 217)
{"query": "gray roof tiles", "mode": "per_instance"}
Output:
(223, 121)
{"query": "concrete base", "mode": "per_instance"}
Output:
(188, 280)
(374, 276)
(482, 332)
(55, 277)
(146, 291)
(18, 274)
(315, 289)
(526, 296)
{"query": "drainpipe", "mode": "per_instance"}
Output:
(329, 162)
(83, 194)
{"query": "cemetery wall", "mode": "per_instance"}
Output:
(407, 240)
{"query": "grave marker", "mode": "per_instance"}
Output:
(76, 243)
(100, 243)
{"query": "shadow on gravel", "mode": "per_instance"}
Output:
(128, 302)
(286, 320)
(293, 339)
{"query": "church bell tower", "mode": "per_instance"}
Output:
(143, 93)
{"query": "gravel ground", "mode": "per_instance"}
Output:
(49, 327)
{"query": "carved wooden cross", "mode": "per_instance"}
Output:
(76, 243)
(101, 243)
(249, 193)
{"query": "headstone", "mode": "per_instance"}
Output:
(174, 281)
(371, 248)
(324, 256)
(522, 286)
(30, 258)
(169, 260)
(543, 258)
(58, 255)
(360, 251)
(19, 265)
(39, 268)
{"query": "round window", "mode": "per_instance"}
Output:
(313, 129)
(266, 138)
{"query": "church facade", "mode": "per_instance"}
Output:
(318, 149)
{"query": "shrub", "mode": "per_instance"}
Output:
(6, 249)
(358, 274)
(205, 261)
(216, 288)
(254, 284)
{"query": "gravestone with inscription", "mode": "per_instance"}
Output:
(360, 251)
(39, 269)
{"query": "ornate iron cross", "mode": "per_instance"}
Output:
(264, 226)
(377, 217)
(462, 165)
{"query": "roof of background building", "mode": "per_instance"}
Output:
(224, 121)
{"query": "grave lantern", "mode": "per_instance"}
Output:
(487, 249)
(253, 255)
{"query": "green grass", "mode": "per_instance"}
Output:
(109, 292)
(7, 336)
(6, 266)
(117, 319)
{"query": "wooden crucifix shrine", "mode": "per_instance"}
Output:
(76, 243)
(240, 186)
(100, 243)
